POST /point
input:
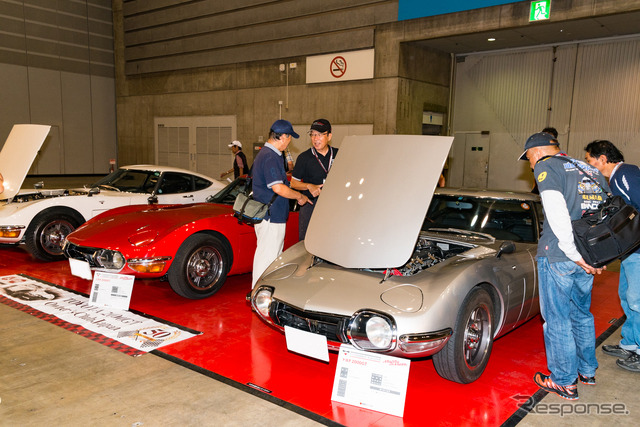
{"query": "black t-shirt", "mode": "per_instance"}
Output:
(312, 167)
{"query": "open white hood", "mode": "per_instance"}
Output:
(17, 155)
(375, 198)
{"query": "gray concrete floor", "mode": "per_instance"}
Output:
(51, 377)
(613, 401)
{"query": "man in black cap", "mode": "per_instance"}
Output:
(270, 184)
(565, 280)
(311, 169)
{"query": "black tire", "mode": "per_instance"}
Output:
(200, 267)
(46, 233)
(467, 352)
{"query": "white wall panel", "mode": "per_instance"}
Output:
(506, 94)
(606, 104)
(103, 115)
(196, 143)
(77, 129)
(590, 91)
(14, 108)
(45, 95)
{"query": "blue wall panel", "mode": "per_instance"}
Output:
(410, 9)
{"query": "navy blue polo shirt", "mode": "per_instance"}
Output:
(268, 170)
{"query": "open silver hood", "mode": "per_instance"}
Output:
(374, 201)
(17, 155)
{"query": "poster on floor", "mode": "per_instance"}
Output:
(136, 331)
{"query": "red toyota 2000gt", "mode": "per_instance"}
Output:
(194, 246)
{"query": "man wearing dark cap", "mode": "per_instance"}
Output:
(240, 165)
(269, 180)
(311, 169)
(564, 278)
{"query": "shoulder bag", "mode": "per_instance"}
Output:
(248, 210)
(607, 233)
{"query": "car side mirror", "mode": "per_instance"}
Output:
(93, 190)
(506, 248)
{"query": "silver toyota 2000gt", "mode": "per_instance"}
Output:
(389, 266)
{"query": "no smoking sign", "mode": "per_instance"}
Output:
(338, 67)
(333, 67)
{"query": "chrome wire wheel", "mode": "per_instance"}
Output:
(465, 356)
(204, 267)
(477, 336)
(53, 235)
(200, 266)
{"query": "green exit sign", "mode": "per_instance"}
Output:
(540, 10)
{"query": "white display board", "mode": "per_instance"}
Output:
(341, 66)
(111, 290)
(370, 380)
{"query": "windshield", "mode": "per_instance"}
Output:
(228, 194)
(502, 219)
(137, 181)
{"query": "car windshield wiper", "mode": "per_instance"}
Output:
(465, 232)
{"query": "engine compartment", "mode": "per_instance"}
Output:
(45, 194)
(427, 253)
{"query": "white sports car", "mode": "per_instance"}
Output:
(43, 218)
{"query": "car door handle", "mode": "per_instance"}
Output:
(190, 196)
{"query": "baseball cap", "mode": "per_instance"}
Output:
(321, 125)
(539, 139)
(236, 143)
(284, 126)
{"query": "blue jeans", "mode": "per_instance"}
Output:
(629, 292)
(569, 331)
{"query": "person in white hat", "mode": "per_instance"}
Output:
(240, 165)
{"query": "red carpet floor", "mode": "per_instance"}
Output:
(238, 346)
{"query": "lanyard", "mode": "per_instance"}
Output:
(313, 150)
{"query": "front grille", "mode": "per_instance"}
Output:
(81, 253)
(331, 326)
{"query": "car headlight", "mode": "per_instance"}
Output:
(262, 301)
(112, 260)
(371, 330)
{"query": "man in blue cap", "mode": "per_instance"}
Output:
(565, 280)
(270, 183)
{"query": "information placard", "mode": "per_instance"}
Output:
(370, 380)
(111, 290)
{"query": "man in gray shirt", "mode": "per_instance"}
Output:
(565, 279)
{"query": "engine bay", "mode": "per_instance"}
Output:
(45, 194)
(427, 253)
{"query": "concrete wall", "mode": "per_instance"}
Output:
(166, 68)
(57, 68)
